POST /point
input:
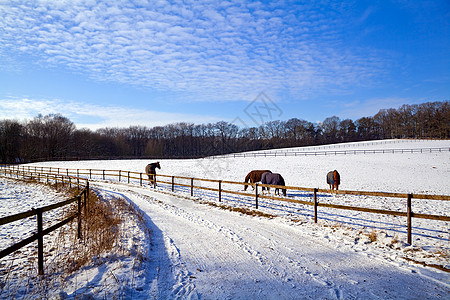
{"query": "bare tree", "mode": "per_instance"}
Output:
(51, 134)
(330, 129)
(11, 138)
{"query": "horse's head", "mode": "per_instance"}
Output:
(157, 165)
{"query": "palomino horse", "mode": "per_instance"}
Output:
(333, 179)
(273, 179)
(150, 170)
(254, 176)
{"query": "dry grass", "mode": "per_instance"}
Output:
(443, 252)
(395, 240)
(64, 252)
(372, 236)
(100, 227)
(242, 210)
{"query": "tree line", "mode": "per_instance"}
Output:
(54, 136)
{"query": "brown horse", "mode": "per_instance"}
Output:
(333, 179)
(150, 170)
(273, 179)
(254, 176)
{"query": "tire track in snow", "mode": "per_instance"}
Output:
(235, 241)
(169, 277)
(270, 265)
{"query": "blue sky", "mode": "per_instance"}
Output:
(123, 63)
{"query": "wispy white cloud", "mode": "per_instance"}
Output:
(213, 50)
(91, 116)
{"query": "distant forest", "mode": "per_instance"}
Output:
(55, 137)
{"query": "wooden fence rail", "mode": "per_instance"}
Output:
(189, 183)
(41, 232)
(329, 152)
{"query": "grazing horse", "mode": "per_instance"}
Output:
(333, 179)
(254, 176)
(273, 179)
(150, 170)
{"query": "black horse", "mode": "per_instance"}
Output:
(273, 179)
(150, 170)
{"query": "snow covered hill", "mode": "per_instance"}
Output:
(200, 251)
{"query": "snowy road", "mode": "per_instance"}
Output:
(201, 251)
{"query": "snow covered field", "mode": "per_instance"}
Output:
(201, 251)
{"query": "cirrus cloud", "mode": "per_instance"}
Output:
(210, 50)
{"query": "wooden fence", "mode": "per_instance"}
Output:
(192, 184)
(329, 152)
(41, 232)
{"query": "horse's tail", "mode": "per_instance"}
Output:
(337, 177)
(283, 183)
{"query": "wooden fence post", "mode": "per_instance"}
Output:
(140, 178)
(256, 195)
(103, 174)
(119, 175)
(90, 173)
(79, 216)
(128, 176)
(85, 195)
(315, 205)
(192, 187)
(173, 183)
(220, 190)
(86, 203)
(409, 217)
(40, 242)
